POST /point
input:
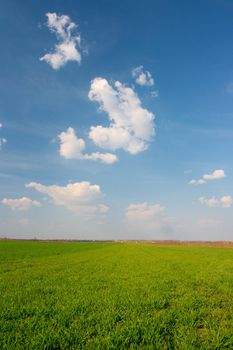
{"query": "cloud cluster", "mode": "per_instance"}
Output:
(72, 147)
(142, 77)
(68, 47)
(23, 203)
(143, 211)
(224, 202)
(131, 126)
(215, 175)
(81, 198)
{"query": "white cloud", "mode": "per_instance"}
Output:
(210, 202)
(224, 202)
(215, 175)
(142, 77)
(72, 147)
(80, 197)
(131, 126)
(197, 182)
(143, 211)
(23, 203)
(68, 48)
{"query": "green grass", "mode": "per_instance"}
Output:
(115, 296)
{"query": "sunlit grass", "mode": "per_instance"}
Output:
(115, 296)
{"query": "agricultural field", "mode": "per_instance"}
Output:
(115, 296)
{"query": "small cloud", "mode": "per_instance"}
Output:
(81, 198)
(2, 139)
(131, 126)
(210, 202)
(197, 182)
(213, 202)
(215, 175)
(142, 77)
(107, 158)
(72, 147)
(226, 201)
(143, 211)
(2, 142)
(23, 203)
(68, 48)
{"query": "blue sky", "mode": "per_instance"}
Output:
(146, 90)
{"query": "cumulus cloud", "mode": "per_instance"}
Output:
(224, 202)
(68, 47)
(131, 126)
(23, 203)
(215, 175)
(72, 147)
(143, 211)
(80, 197)
(142, 77)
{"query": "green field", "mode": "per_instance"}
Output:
(115, 296)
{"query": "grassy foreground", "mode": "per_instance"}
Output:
(115, 296)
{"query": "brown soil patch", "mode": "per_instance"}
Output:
(223, 244)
